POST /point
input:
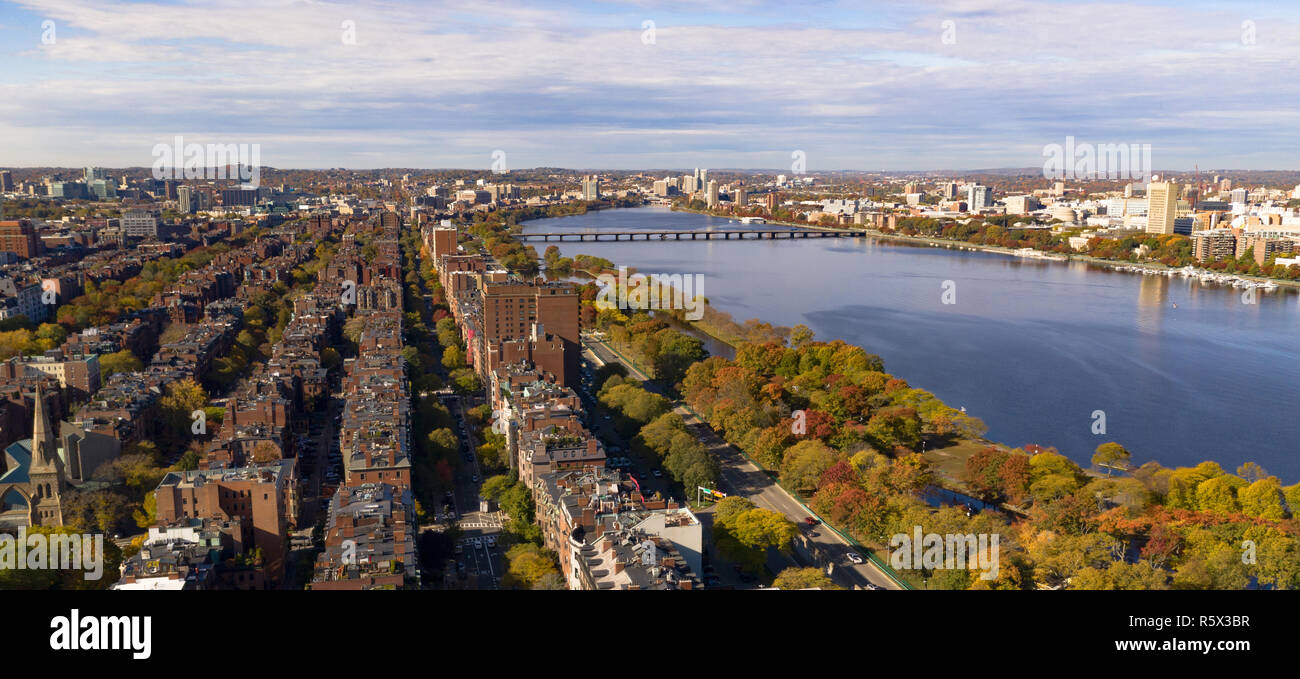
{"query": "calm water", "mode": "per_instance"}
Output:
(1030, 347)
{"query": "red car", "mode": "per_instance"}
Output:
(811, 521)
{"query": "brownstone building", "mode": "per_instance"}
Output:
(263, 498)
(20, 238)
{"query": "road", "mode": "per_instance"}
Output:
(478, 566)
(744, 478)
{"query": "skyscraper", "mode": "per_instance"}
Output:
(6, 181)
(712, 193)
(978, 197)
(591, 188)
(185, 200)
(1162, 207)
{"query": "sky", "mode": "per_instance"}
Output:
(914, 85)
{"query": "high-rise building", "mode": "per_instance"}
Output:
(711, 195)
(978, 197)
(19, 237)
(102, 189)
(230, 197)
(1021, 205)
(1238, 195)
(6, 181)
(139, 224)
(1210, 245)
(1162, 207)
(740, 196)
(591, 188)
(185, 200)
(949, 190)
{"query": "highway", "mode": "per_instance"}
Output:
(742, 477)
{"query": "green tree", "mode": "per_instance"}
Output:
(1110, 456)
(805, 462)
(803, 578)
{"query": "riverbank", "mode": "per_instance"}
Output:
(1118, 264)
(888, 308)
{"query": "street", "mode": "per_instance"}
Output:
(742, 477)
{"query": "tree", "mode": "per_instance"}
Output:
(528, 564)
(898, 426)
(118, 362)
(760, 529)
(1263, 499)
(803, 578)
(729, 508)
(800, 335)
(804, 464)
(1110, 456)
(494, 487)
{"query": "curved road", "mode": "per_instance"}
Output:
(744, 478)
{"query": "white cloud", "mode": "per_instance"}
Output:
(1019, 74)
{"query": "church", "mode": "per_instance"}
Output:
(34, 476)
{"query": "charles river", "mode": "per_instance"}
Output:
(1183, 371)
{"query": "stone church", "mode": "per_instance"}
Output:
(34, 477)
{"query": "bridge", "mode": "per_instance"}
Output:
(721, 234)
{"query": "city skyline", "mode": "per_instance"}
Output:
(899, 87)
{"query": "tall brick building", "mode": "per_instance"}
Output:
(262, 497)
(19, 237)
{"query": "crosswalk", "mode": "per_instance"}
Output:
(479, 525)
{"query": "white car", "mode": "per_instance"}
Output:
(853, 557)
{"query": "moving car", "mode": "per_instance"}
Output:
(811, 520)
(853, 557)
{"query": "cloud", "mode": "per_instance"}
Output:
(574, 84)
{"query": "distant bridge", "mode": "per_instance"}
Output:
(721, 234)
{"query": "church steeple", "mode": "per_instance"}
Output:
(45, 474)
(45, 452)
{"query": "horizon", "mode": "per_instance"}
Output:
(754, 170)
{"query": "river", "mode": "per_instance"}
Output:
(1182, 371)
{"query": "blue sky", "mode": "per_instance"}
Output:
(865, 86)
